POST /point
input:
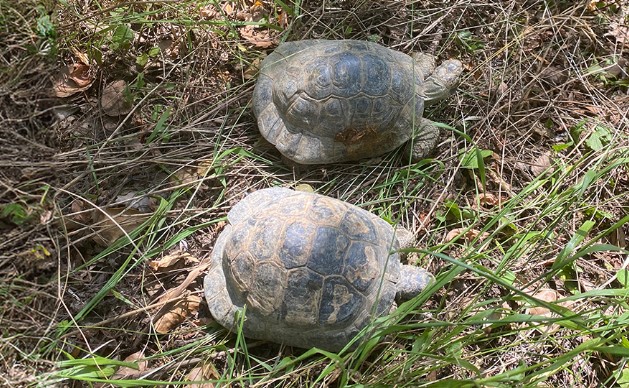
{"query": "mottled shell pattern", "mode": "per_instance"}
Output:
(325, 101)
(308, 269)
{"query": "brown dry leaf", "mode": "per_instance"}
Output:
(114, 101)
(208, 12)
(204, 167)
(468, 235)
(190, 175)
(81, 56)
(502, 89)
(111, 224)
(185, 176)
(45, 217)
(498, 179)
(282, 19)
(228, 8)
(257, 11)
(251, 71)
(175, 314)
(80, 215)
(488, 199)
(553, 75)
(595, 5)
(72, 79)
(206, 371)
(620, 32)
(541, 164)
(133, 200)
(259, 38)
(543, 131)
(174, 293)
(547, 295)
(178, 302)
(168, 261)
(197, 375)
(126, 372)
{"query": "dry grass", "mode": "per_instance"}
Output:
(543, 82)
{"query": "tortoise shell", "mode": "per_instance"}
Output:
(308, 270)
(323, 101)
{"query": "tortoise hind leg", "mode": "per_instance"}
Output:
(413, 280)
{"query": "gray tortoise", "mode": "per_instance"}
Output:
(327, 101)
(309, 270)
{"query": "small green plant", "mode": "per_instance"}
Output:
(14, 213)
(473, 158)
(144, 58)
(469, 41)
(160, 132)
(609, 71)
(599, 138)
(121, 38)
(47, 31)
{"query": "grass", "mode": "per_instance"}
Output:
(522, 213)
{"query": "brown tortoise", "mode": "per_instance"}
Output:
(326, 101)
(308, 270)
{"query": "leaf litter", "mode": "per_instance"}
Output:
(209, 118)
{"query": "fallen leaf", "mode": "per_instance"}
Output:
(553, 75)
(538, 166)
(115, 101)
(543, 131)
(502, 89)
(173, 313)
(125, 372)
(594, 5)
(185, 176)
(620, 32)
(71, 80)
(206, 371)
(112, 223)
(259, 38)
(282, 19)
(45, 217)
(546, 295)
(191, 174)
(468, 235)
(488, 199)
(133, 200)
(172, 316)
(208, 12)
(81, 56)
(257, 11)
(79, 217)
(550, 296)
(169, 261)
(541, 164)
(251, 71)
(228, 8)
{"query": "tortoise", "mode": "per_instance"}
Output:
(307, 270)
(328, 101)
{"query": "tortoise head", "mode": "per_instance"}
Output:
(441, 81)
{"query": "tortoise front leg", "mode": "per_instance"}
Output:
(424, 141)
